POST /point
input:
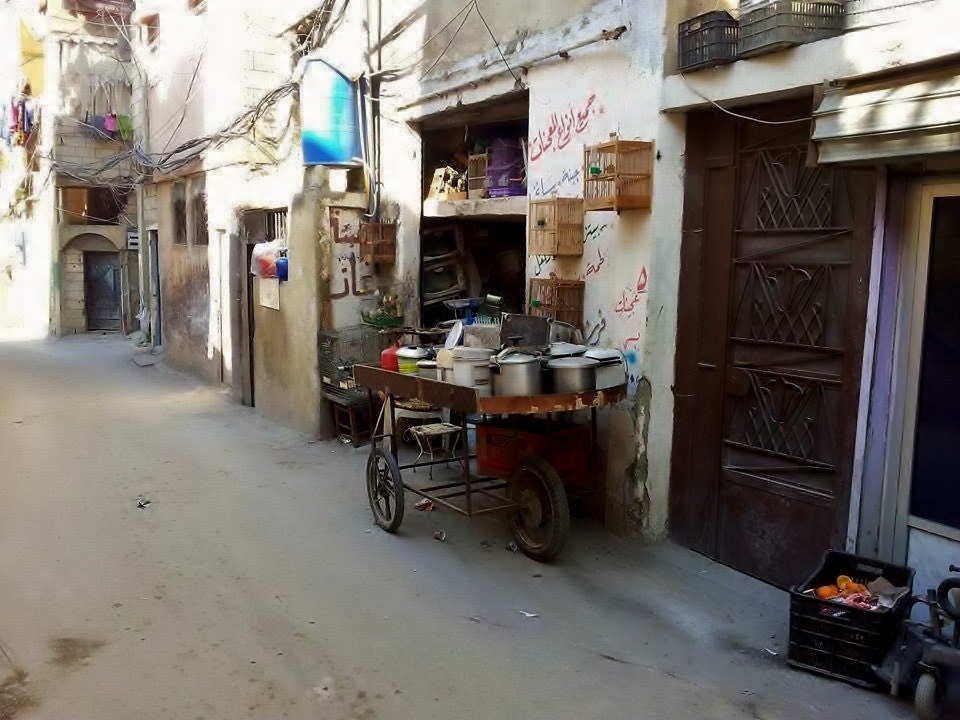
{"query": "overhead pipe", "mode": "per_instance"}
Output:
(564, 53)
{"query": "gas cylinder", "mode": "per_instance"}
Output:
(388, 358)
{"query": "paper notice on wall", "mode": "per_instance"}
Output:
(269, 292)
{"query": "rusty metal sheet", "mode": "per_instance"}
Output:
(467, 400)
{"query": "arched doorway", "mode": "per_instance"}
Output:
(91, 287)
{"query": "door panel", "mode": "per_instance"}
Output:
(101, 280)
(777, 353)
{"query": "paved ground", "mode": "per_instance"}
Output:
(255, 585)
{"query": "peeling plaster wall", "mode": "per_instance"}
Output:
(185, 288)
(287, 377)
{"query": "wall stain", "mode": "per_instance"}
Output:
(70, 652)
(637, 493)
(14, 696)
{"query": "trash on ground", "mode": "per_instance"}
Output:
(144, 360)
(528, 614)
(772, 652)
(440, 535)
(344, 440)
(425, 504)
(512, 546)
(485, 545)
(142, 502)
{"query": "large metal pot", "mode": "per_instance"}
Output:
(515, 373)
(573, 374)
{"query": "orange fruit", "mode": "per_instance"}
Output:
(842, 582)
(825, 592)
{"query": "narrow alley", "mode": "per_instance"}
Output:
(253, 584)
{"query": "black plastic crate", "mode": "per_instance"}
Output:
(779, 24)
(707, 40)
(838, 640)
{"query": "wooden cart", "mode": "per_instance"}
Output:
(529, 489)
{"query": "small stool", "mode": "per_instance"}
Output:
(410, 409)
(424, 435)
(350, 410)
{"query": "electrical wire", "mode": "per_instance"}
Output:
(493, 37)
(449, 43)
(738, 115)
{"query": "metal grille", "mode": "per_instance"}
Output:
(341, 349)
(276, 224)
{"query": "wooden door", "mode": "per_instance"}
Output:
(101, 287)
(774, 282)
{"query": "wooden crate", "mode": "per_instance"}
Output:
(378, 242)
(618, 175)
(558, 299)
(556, 226)
(477, 176)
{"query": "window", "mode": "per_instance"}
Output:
(151, 25)
(201, 230)
(178, 205)
(91, 206)
(276, 224)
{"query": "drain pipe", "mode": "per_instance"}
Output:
(564, 53)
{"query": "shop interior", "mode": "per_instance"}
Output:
(474, 252)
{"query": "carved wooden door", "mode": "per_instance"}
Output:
(767, 385)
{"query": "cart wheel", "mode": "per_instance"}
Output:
(927, 699)
(541, 521)
(385, 489)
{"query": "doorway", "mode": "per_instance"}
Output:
(156, 305)
(101, 285)
(774, 267)
(928, 515)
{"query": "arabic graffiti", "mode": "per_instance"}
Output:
(540, 262)
(345, 225)
(563, 127)
(551, 185)
(593, 268)
(630, 297)
(594, 230)
(352, 284)
(596, 332)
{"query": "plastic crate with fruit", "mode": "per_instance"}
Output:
(834, 629)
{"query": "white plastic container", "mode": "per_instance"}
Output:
(471, 367)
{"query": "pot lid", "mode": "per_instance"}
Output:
(411, 352)
(472, 353)
(604, 354)
(455, 336)
(516, 358)
(560, 349)
(573, 362)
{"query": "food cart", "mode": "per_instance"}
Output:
(521, 446)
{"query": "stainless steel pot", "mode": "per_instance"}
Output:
(573, 374)
(515, 373)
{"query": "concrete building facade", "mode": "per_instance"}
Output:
(776, 370)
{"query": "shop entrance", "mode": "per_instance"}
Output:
(773, 294)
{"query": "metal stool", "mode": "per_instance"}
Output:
(424, 435)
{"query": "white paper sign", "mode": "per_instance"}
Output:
(269, 293)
